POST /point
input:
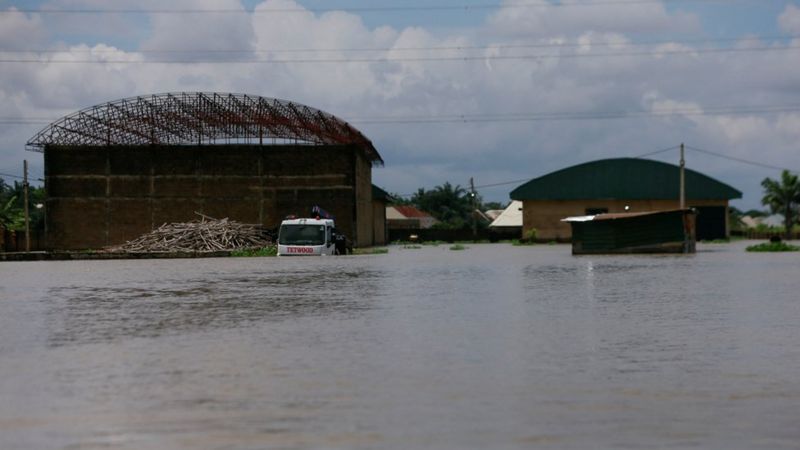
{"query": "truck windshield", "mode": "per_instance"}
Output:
(301, 235)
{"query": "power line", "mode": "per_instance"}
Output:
(395, 49)
(674, 147)
(24, 121)
(368, 9)
(465, 58)
(11, 176)
(504, 183)
(527, 117)
(602, 115)
(741, 160)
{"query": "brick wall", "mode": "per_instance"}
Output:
(99, 196)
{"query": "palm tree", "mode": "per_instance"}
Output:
(783, 197)
(8, 213)
(451, 205)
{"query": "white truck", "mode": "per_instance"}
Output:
(299, 237)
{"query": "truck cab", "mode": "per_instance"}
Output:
(306, 237)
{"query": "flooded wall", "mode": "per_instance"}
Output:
(545, 215)
(99, 196)
(379, 228)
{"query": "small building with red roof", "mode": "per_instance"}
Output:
(408, 217)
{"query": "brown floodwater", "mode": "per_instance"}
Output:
(492, 347)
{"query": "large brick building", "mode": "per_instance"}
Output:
(118, 170)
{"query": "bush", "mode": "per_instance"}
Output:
(266, 251)
(371, 251)
(457, 247)
(773, 247)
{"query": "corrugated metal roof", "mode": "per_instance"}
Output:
(612, 216)
(408, 211)
(625, 179)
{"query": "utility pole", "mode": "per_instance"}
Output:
(474, 208)
(25, 201)
(683, 180)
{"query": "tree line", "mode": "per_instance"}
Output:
(452, 206)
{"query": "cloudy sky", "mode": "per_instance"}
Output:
(496, 90)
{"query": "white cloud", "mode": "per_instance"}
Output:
(789, 20)
(576, 17)
(610, 74)
(19, 31)
(224, 34)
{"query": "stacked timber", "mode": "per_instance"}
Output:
(204, 235)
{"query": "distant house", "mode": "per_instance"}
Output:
(621, 185)
(408, 217)
(774, 220)
(509, 218)
(493, 213)
(480, 217)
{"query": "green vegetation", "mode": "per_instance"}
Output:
(783, 197)
(457, 247)
(452, 206)
(371, 251)
(266, 251)
(412, 246)
(529, 239)
(773, 247)
(12, 208)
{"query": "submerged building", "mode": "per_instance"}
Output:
(617, 186)
(118, 170)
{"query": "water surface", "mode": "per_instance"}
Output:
(495, 346)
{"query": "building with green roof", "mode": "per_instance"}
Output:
(621, 185)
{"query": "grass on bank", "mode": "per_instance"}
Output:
(371, 251)
(273, 251)
(266, 251)
(457, 247)
(773, 247)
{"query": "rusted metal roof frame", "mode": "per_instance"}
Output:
(199, 118)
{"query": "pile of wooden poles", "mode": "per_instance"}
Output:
(204, 235)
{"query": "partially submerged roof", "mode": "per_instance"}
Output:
(510, 217)
(200, 118)
(625, 179)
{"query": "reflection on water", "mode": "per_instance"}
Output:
(492, 347)
(85, 314)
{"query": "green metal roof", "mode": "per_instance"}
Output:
(624, 179)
